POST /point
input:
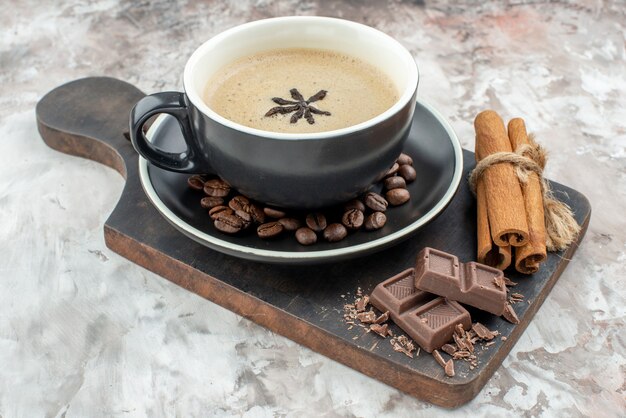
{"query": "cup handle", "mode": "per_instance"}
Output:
(172, 103)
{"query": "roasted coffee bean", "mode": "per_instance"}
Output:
(245, 217)
(269, 230)
(407, 172)
(397, 197)
(335, 232)
(306, 236)
(209, 202)
(375, 221)
(316, 221)
(239, 203)
(217, 188)
(354, 204)
(214, 212)
(274, 213)
(290, 224)
(257, 213)
(228, 223)
(405, 159)
(393, 170)
(353, 219)
(375, 202)
(196, 182)
(395, 182)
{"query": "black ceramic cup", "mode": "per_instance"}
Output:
(305, 171)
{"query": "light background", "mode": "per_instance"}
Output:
(84, 332)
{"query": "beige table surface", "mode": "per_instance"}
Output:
(84, 332)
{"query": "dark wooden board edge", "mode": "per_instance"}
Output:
(84, 147)
(450, 395)
(446, 394)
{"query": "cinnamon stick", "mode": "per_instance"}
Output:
(529, 256)
(505, 203)
(488, 252)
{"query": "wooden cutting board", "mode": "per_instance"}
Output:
(89, 118)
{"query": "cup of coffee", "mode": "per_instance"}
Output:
(295, 112)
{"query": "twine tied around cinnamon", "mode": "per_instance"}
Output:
(561, 227)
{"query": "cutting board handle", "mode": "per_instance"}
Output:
(89, 118)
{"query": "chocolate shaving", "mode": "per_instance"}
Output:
(516, 297)
(510, 315)
(470, 344)
(404, 345)
(382, 330)
(449, 368)
(509, 282)
(449, 348)
(438, 358)
(483, 332)
(366, 317)
(461, 354)
(498, 281)
(460, 342)
(362, 303)
(382, 318)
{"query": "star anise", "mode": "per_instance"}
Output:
(301, 107)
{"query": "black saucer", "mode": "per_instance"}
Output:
(437, 157)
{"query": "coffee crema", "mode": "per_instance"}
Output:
(356, 91)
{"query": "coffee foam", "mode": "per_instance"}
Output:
(243, 90)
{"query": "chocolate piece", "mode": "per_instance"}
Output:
(403, 345)
(470, 283)
(449, 348)
(438, 358)
(449, 368)
(483, 332)
(368, 317)
(362, 303)
(382, 318)
(509, 314)
(382, 330)
(429, 322)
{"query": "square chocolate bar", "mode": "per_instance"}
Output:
(427, 319)
(471, 283)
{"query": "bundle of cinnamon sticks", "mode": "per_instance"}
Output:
(510, 212)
